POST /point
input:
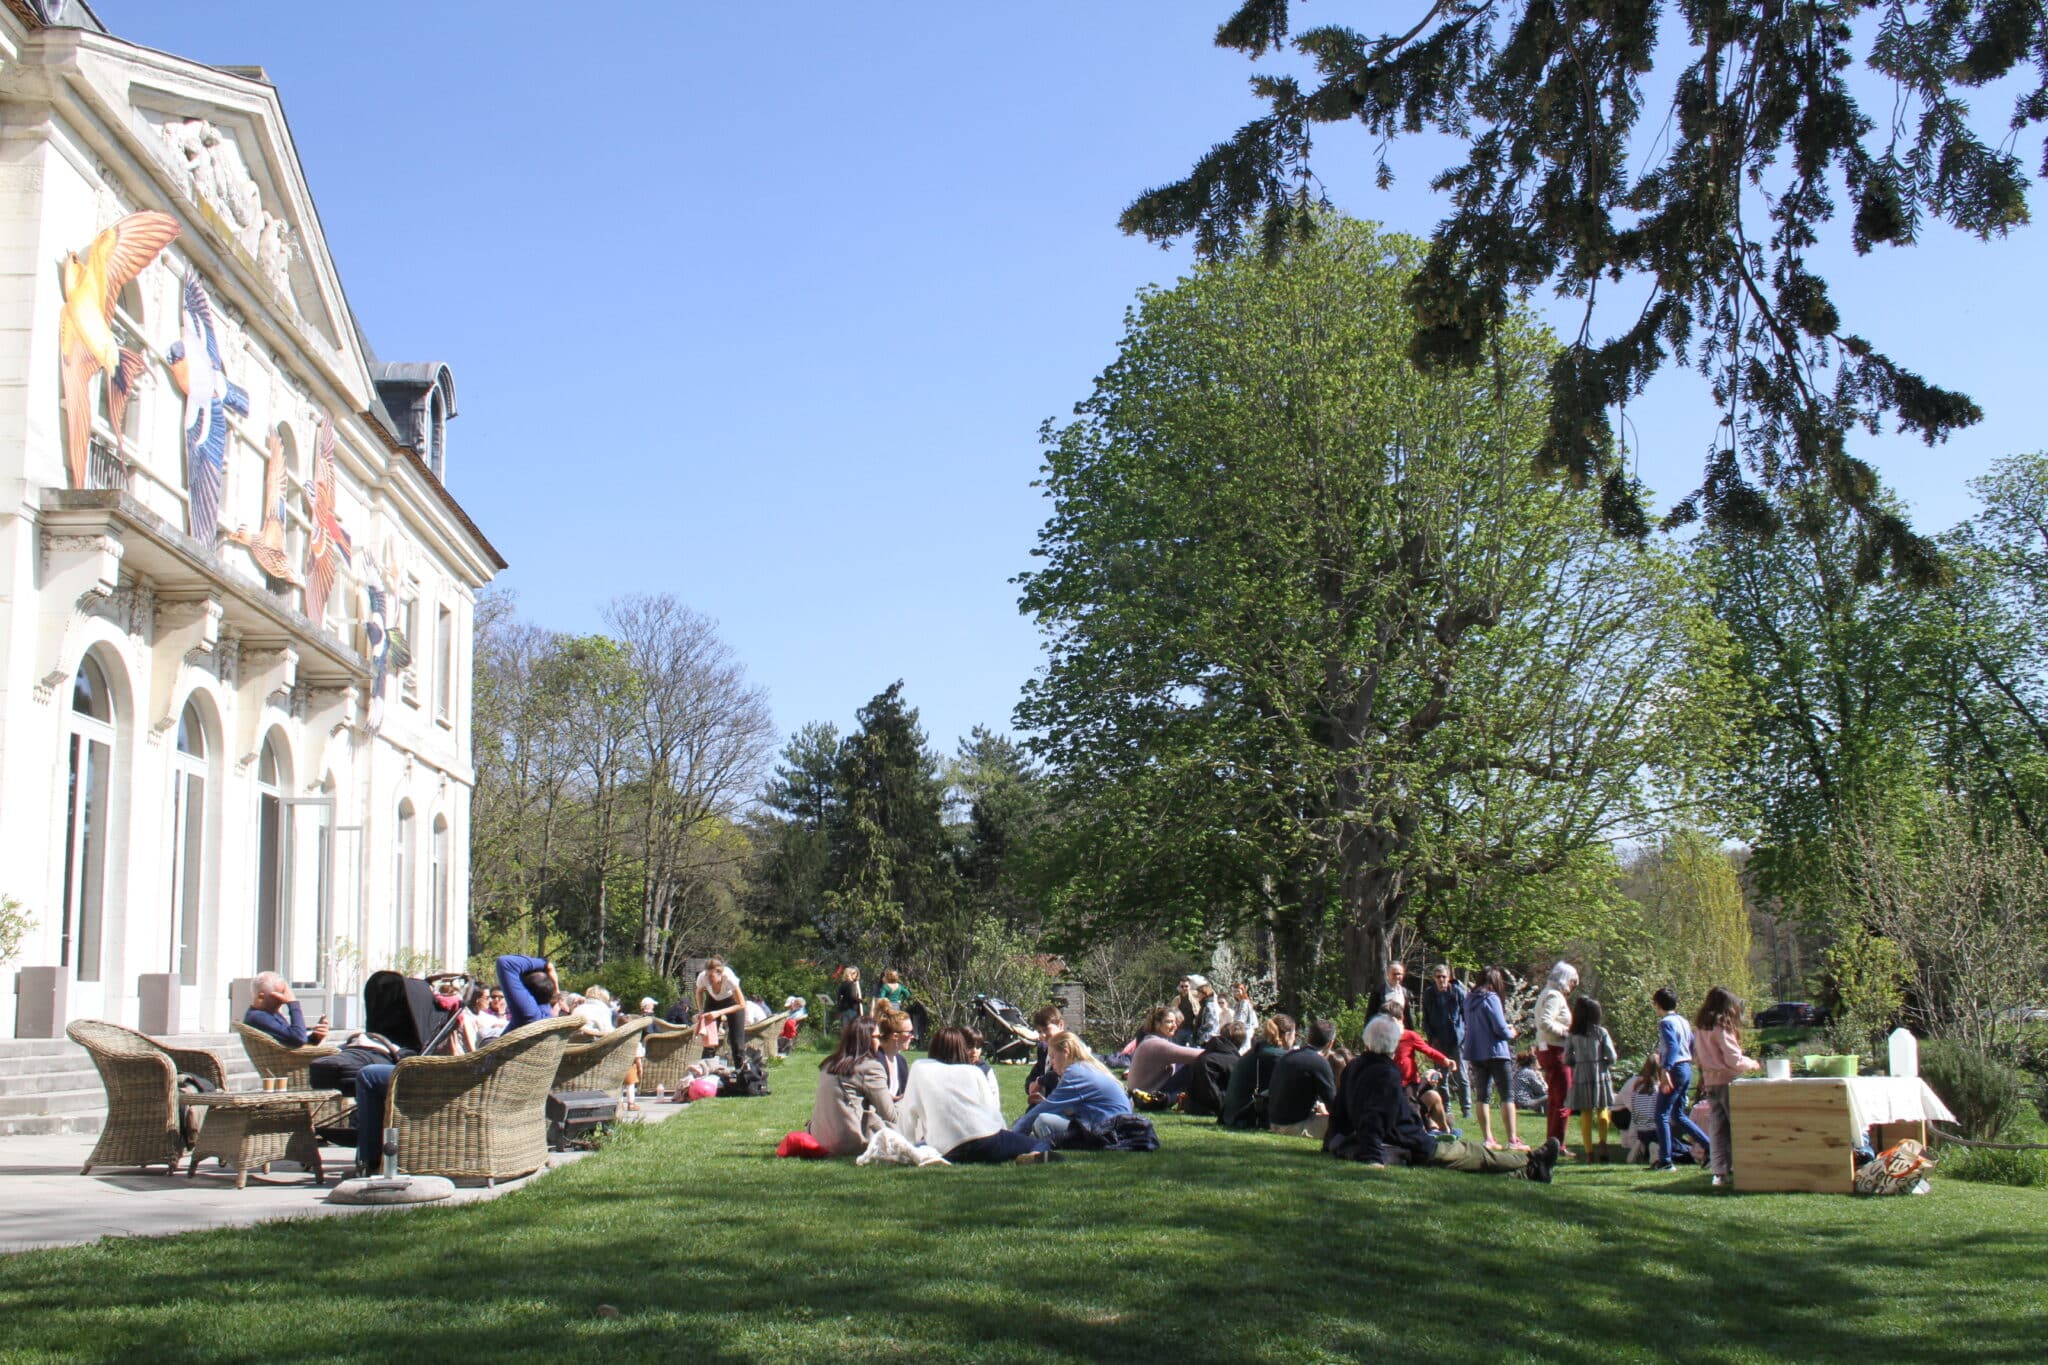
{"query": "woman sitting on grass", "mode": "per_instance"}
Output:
(1085, 1094)
(1156, 1057)
(1244, 1103)
(953, 1106)
(1375, 1122)
(853, 1101)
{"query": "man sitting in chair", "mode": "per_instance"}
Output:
(275, 1010)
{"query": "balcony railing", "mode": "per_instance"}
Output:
(105, 469)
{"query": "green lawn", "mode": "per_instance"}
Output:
(1235, 1247)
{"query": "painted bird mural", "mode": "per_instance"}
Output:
(387, 646)
(209, 397)
(266, 547)
(329, 546)
(85, 328)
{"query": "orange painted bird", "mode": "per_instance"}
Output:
(266, 547)
(85, 328)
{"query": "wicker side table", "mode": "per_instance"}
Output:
(244, 1131)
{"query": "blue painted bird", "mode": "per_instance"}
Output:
(209, 396)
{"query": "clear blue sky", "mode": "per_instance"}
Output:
(762, 304)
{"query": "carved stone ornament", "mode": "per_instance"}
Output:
(219, 178)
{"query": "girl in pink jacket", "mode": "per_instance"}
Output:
(1717, 1048)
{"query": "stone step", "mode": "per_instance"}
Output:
(53, 1102)
(34, 1047)
(31, 1125)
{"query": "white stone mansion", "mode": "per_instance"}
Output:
(205, 770)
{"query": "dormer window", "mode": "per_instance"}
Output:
(437, 433)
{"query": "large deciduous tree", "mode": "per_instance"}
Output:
(1699, 220)
(1320, 637)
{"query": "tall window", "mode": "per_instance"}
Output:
(406, 860)
(442, 869)
(409, 625)
(91, 753)
(444, 664)
(273, 858)
(188, 842)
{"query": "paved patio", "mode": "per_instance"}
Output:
(48, 1203)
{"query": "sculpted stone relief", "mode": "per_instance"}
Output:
(220, 177)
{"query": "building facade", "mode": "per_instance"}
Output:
(235, 591)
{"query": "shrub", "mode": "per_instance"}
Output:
(14, 926)
(1351, 1020)
(1990, 1166)
(1985, 1095)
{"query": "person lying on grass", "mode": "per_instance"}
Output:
(853, 1101)
(1085, 1093)
(953, 1106)
(1374, 1121)
(1158, 1064)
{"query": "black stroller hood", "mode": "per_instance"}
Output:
(403, 1009)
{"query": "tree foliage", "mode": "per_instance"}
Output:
(612, 772)
(1320, 639)
(1699, 220)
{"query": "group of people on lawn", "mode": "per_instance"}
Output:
(1380, 1107)
(529, 990)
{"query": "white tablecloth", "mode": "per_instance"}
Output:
(1878, 1099)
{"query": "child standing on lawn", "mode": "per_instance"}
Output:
(1590, 1055)
(1717, 1045)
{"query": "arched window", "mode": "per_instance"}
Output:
(440, 888)
(405, 857)
(188, 842)
(273, 857)
(90, 745)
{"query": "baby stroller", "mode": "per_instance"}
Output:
(1005, 1035)
(405, 1013)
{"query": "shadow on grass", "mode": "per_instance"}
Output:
(1244, 1247)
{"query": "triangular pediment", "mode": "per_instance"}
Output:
(218, 141)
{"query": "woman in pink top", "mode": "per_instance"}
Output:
(1156, 1055)
(1717, 1048)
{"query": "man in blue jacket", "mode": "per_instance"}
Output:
(531, 989)
(1443, 1023)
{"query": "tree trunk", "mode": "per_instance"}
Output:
(1374, 902)
(1297, 943)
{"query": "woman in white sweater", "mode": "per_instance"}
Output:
(953, 1106)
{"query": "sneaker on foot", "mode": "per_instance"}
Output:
(1543, 1160)
(1662, 1166)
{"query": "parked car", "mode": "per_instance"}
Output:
(1792, 1014)
(2027, 1014)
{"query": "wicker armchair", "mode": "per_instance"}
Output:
(483, 1115)
(766, 1035)
(602, 1063)
(273, 1060)
(145, 1118)
(671, 1051)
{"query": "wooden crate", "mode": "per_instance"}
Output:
(1792, 1135)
